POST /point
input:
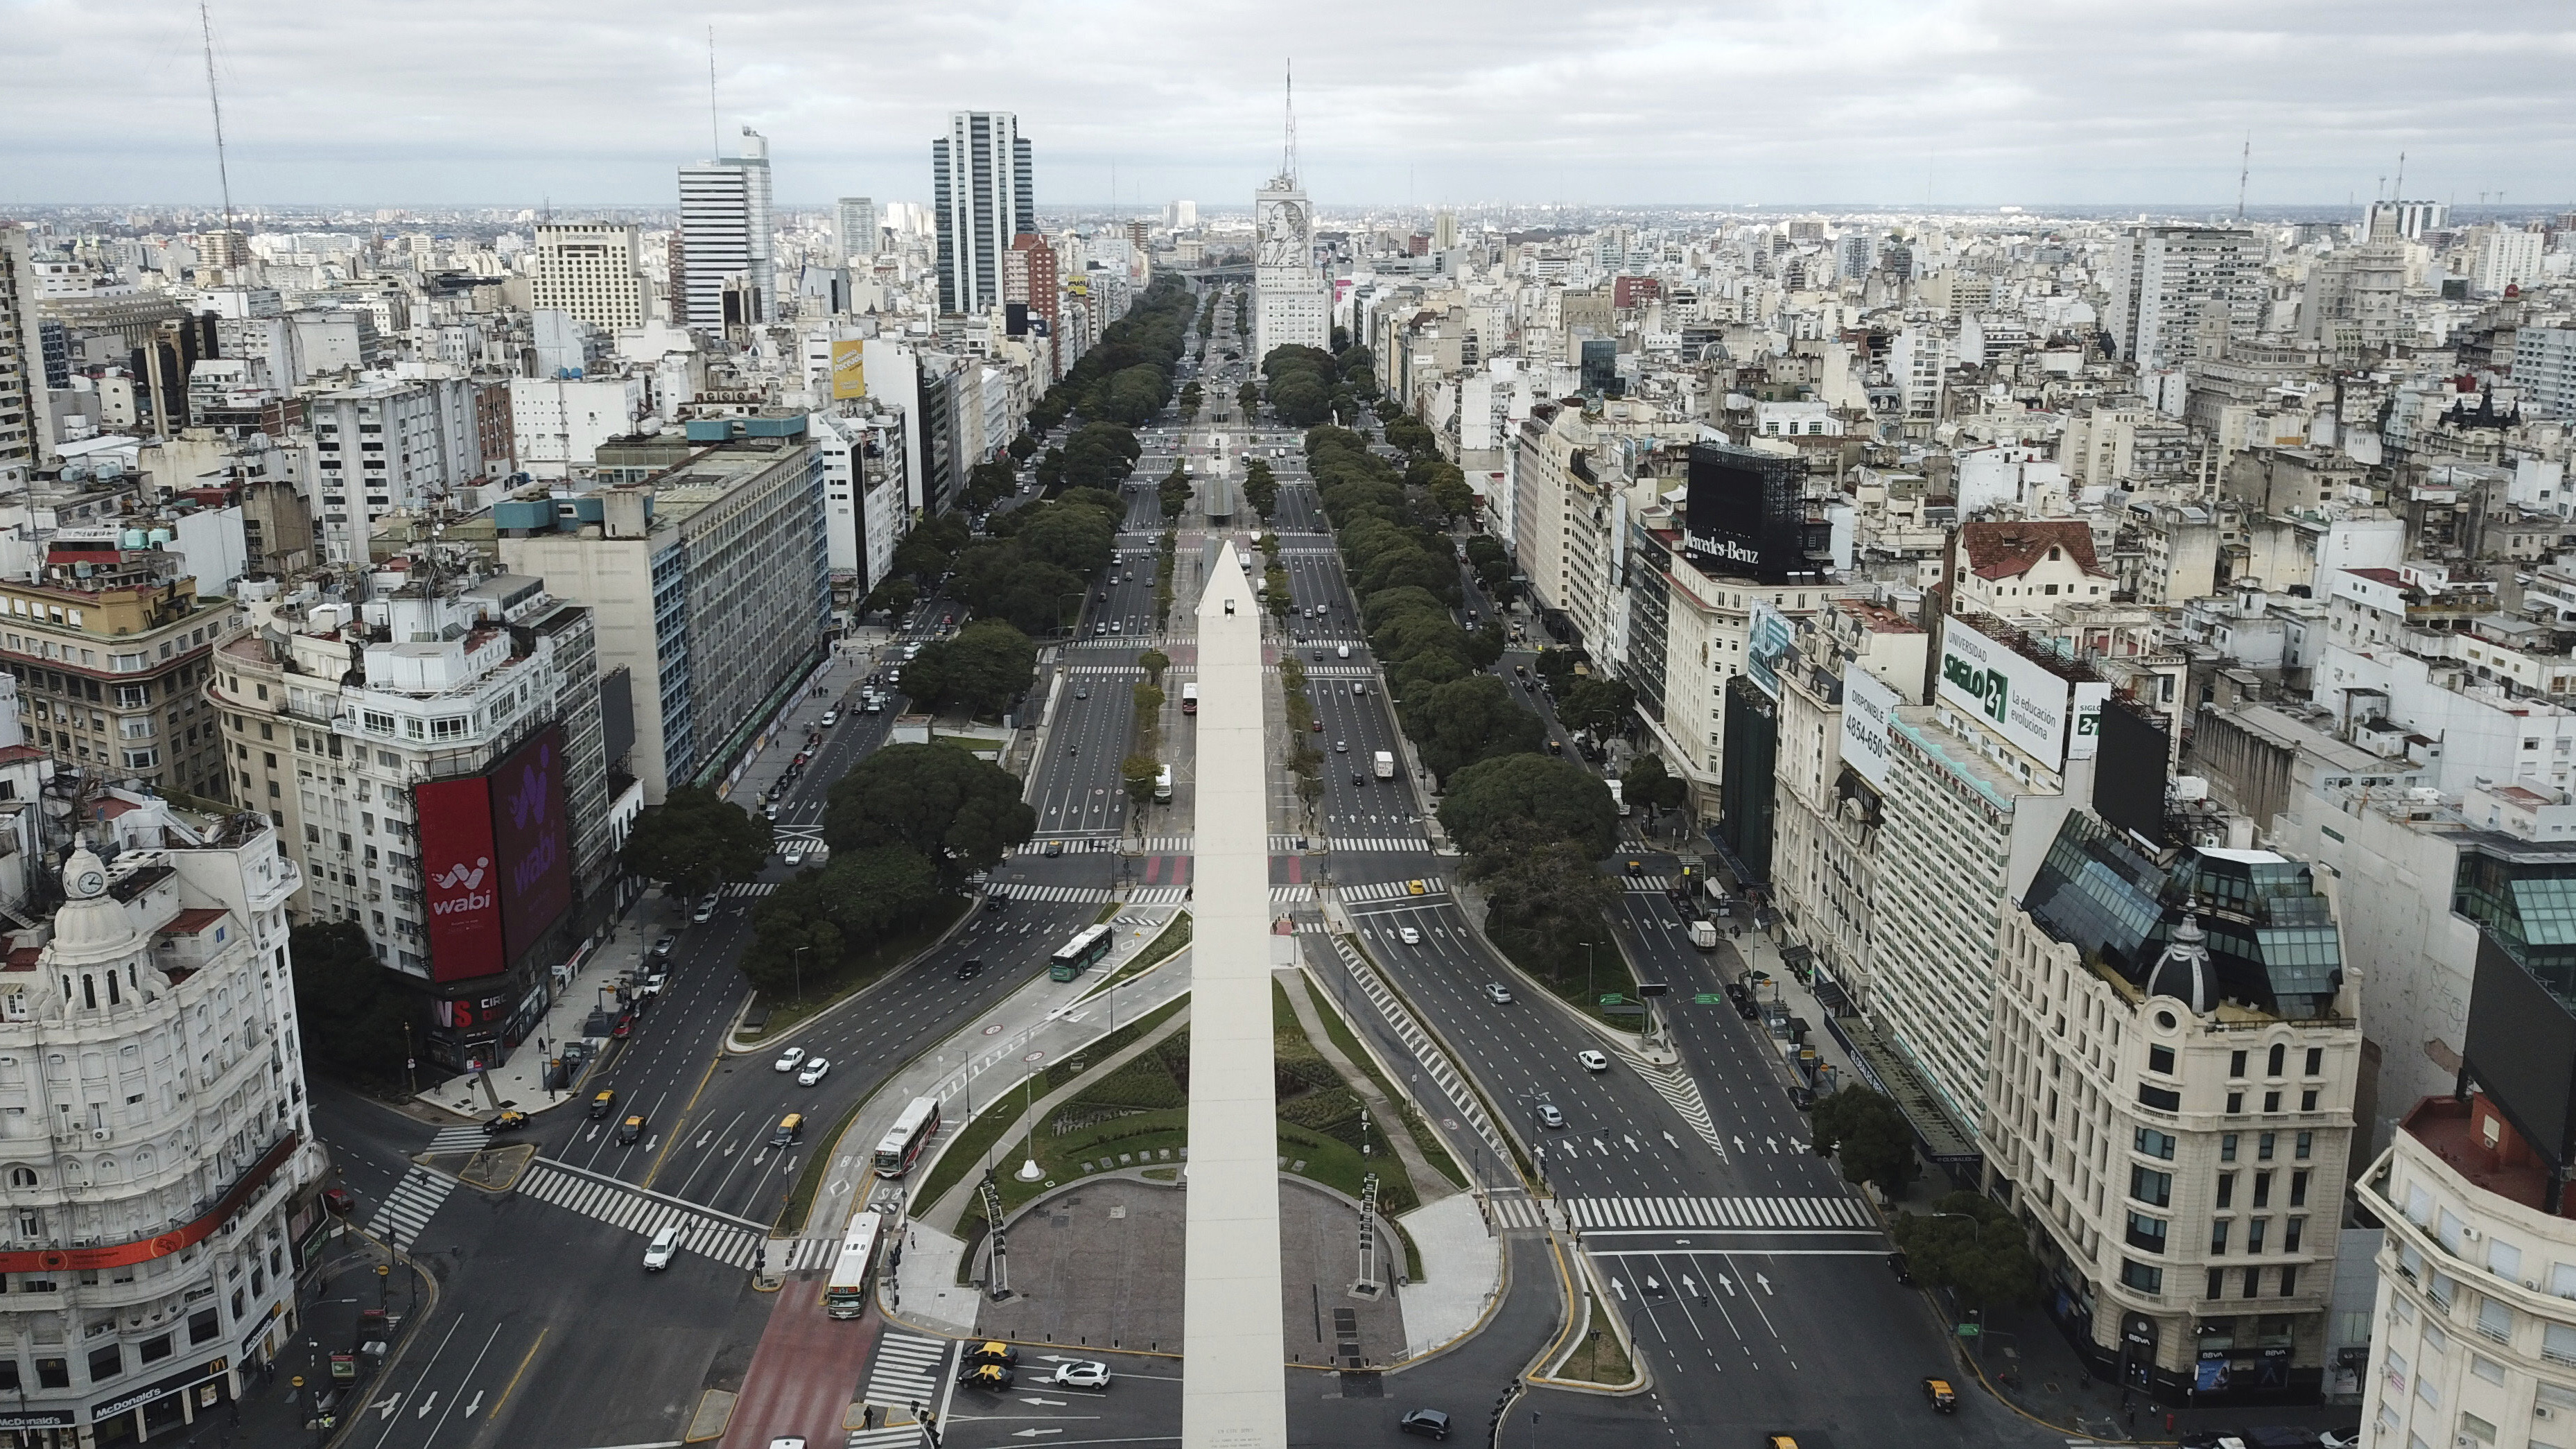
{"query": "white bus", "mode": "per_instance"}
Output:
(845, 1295)
(911, 1132)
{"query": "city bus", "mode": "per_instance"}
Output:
(1088, 946)
(845, 1294)
(1189, 699)
(910, 1133)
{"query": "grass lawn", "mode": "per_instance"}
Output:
(1174, 935)
(1423, 1137)
(1598, 1356)
(826, 988)
(1579, 987)
(964, 1156)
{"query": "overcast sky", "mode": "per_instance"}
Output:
(1427, 101)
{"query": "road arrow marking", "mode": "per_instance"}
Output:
(1653, 1286)
(1033, 1433)
(426, 1405)
(1631, 1141)
(385, 1406)
(478, 1403)
(1619, 1288)
(706, 1137)
(1688, 1286)
(1739, 1142)
(1726, 1283)
(1050, 1403)
(649, 1141)
(1765, 1282)
(1771, 1142)
(1597, 1147)
(1672, 1142)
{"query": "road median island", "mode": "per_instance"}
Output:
(1166, 944)
(1595, 1343)
(857, 974)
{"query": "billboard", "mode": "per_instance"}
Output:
(460, 888)
(849, 369)
(2521, 1042)
(534, 841)
(2087, 735)
(2025, 703)
(1766, 644)
(1869, 714)
(1742, 514)
(2129, 783)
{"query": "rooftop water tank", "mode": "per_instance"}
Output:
(133, 538)
(162, 538)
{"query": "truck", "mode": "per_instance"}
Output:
(1385, 764)
(1618, 795)
(1704, 933)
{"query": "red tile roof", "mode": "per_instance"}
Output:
(194, 920)
(2006, 548)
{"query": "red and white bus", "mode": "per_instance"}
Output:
(911, 1132)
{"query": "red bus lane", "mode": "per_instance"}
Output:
(806, 1372)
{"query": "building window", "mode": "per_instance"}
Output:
(2263, 1147)
(2304, 1145)
(2162, 1099)
(2235, 1103)
(2160, 1060)
(2150, 1186)
(2218, 1236)
(2227, 1189)
(2236, 1064)
(2289, 1280)
(2495, 1320)
(2317, 1055)
(2142, 1277)
(2262, 1189)
(2146, 1232)
(106, 1362)
(2308, 1100)
(2227, 1147)
(2217, 1283)
(2156, 1144)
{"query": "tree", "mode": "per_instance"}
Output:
(1649, 786)
(1070, 535)
(1275, 589)
(1260, 489)
(694, 839)
(1025, 446)
(1555, 665)
(1871, 1136)
(960, 812)
(1153, 662)
(1137, 773)
(1970, 1244)
(1470, 719)
(1595, 705)
(896, 595)
(349, 1010)
(1529, 797)
(858, 900)
(982, 668)
(1546, 905)
(1450, 493)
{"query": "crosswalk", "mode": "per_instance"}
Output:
(1515, 1210)
(1718, 1212)
(743, 889)
(1158, 895)
(1059, 895)
(1386, 844)
(1676, 1086)
(906, 1370)
(1658, 884)
(1169, 844)
(901, 1436)
(799, 1255)
(1390, 890)
(704, 1231)
(415, 1200)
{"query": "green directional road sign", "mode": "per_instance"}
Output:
(1611, 998)
(1968, 1330)
(1707, 998)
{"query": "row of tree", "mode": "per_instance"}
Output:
(1126, 377)
(1310, 386)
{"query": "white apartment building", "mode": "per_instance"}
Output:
(2506, 256)
(2544, 370)
(592, 270)
(863, 510)
(854, 230)
(2169, 285)
(456, 675)
(23, 434)
(1292, 305)
(558, 423)
(153, 1114)
(387, 445)
(2175, 1056)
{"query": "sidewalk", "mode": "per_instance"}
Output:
(341, 1282)
(1041, 1023)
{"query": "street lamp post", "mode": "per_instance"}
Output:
(1590, 983)
(800, 973)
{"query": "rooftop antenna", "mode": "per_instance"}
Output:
(2244, 169)
(2400, 193)
(715, 127)
(1288, 158)
(214, 98)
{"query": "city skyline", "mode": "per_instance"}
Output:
(1862, 106)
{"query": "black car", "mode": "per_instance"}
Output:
(970, 968)
(1429, 1423)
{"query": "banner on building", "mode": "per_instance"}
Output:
(2087, 737)
(1869, 717)
(460, 884)
(1766, 640)
(2024, 703)
(849, 369)
(533, 839)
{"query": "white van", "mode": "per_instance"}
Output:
(665, 1247)
(1342, 651)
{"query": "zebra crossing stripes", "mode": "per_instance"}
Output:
(414, 1201)
(804, 1254)
(738, 889)
(459, 1139)
(1786, 1213)
(1391, 844)
(1515, 1210)
(901, 1436)
(906, 1370)
(1643, 884)
(710, 1234)
(1059, 895)
(1676, 1086)
(1158, 895)
(1390, 890)
(1169, 844)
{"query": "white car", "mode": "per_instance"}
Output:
(1408, 935)
(1497, 993)
(1593, 1061)
(813, 1072)
(1083, 1374)
(794, 857)
(788, 1059)
(664, 1247)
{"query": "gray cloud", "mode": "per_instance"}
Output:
(368, 101)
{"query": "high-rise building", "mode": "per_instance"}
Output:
(2403, 220)
(729, 549)
(1291, 305)
(2187, 1014)
(854, 228)
(2544, 370)
(725, 236)
(164, 1180)
(984, 193)
(2174, 287)
(592, 270)
(22, 383)
(1030, 281)
(389, 444)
